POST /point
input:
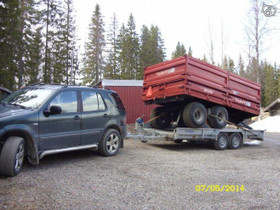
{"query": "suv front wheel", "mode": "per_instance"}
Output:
(11, 157)
(110, 143)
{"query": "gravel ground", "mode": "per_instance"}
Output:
(156, 175)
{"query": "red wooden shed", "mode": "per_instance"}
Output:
(130, 91)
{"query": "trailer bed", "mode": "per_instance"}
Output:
(193, 134)
(186, 77)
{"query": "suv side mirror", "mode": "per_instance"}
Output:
(52, 111)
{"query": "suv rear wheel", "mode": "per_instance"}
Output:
(110, 143)
(12, 156)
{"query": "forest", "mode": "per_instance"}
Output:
(39, 44)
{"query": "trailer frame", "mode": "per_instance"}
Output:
(192, 134)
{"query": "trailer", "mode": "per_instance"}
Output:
(220, 138)
(199, 90)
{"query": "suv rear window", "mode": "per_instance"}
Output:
(118, 101)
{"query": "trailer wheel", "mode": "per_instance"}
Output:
(235, 141)
(194, 115)
(178, 141)
(162, 121)
(220, 112)
(222, 142)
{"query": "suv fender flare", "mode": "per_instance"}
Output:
(28, 135)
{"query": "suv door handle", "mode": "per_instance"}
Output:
(76, 117)
(105, 115)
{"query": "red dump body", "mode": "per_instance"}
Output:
(192, 77)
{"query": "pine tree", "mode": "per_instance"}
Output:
(112, 70)
(180, 51)
(93, 62)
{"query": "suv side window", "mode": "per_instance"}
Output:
(67, 101)
(92, 101)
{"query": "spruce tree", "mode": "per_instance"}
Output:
(241, 67)
(179, 51)
(157, 46)
(34, 59)
(93, 60)
(145, 48)
(152, 49)
(190, 51)
(69, 39)
(132, 50)
(128, 46)
(112, 70)
(225, 64)
(9, 38)
(270, 84)
(205, 58)
(231, 65)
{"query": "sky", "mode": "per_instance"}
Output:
(188, 22)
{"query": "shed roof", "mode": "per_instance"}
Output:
(272, 105)
(131, 83)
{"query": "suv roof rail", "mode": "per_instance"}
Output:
(49, 84)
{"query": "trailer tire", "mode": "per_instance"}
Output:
(178, 141)
(221, 112)
(194, 115)
(235, 141)
(161, 122)
(222, 142)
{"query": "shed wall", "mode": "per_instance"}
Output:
(131, 98)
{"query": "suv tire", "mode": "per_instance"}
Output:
(12, 156)
(109, 145)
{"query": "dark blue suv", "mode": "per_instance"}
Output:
(44, 119)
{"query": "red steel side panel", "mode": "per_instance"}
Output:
(189, 76)
(134, 106)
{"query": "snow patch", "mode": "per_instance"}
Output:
(270, 124)
(254, 142)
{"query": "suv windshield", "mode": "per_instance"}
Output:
(28, 97)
